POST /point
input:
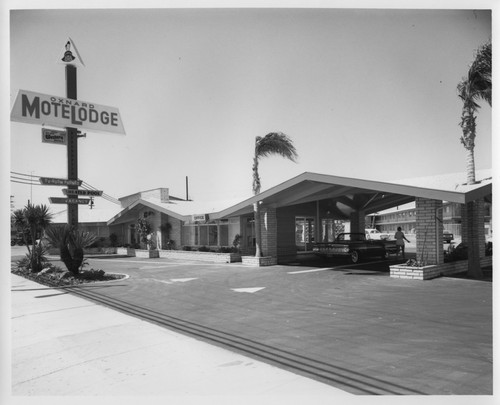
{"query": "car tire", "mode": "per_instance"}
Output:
(354, 256)
(385, 255)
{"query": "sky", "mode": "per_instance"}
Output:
(364, 93)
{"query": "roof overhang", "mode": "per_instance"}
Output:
(130, 212)
(368, 195)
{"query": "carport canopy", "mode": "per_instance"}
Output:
(345, 195)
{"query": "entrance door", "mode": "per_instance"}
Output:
(304, 232)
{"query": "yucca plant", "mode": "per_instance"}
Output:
(32, 220)
(70, 243)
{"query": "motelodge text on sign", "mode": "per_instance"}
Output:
(37, 108)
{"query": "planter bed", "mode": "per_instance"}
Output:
(201, 256)
(433, 271)
(259, 261)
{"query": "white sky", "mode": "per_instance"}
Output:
(362, 93)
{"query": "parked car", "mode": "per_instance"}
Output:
(355, 246)
(376, 234)
(447, 236)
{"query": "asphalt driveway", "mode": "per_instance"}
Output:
(372, 333)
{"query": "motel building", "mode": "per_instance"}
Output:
(294, 215)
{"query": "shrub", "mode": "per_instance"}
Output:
(203, 249)
(92, 274)
(113, 239)
(187, 248)
(71, 243)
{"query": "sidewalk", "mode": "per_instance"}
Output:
(65, 345)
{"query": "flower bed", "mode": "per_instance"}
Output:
(54, 276)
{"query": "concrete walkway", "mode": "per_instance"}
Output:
(66, 345)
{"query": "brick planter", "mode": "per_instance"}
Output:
(436, 270)
(151, 254)
(414, 273)
(201, 256)
(125, 251)
(259, 261)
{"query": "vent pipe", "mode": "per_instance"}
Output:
(187, 189)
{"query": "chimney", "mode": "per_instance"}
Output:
(187, 189)
(164, 196)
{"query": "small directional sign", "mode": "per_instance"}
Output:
(71, 192)
(60, 200)
(54, 136)
(50, 181)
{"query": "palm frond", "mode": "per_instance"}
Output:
(275, 143)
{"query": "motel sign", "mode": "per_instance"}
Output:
(37, 108)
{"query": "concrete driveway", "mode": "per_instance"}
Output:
(354, 328)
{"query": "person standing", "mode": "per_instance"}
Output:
(400, 241)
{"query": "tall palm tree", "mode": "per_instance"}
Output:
(274, 143)
(474, 87)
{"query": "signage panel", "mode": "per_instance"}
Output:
(199, 217)
(60, 200)
(97, 193)
(61, 112)
(50, 181)
(54, 136)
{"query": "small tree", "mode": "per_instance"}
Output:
(144, 230)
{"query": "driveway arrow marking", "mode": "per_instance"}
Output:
(182, 280)
(248, 290)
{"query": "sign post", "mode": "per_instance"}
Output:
(72, 146)
(68, 113)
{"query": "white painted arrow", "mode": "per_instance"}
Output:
(182, 280)
(248, 290)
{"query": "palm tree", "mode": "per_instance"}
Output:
(274, 143)
(474, 87)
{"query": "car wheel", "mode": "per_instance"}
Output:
(385, 255)
(354, 256)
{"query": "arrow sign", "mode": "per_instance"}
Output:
(82, 192)
(248, 290)
(50, 181)
(60, 200)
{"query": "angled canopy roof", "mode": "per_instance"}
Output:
(350, 194)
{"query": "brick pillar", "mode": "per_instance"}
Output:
(269, 231)
(429, 231)
(477, 220)
(358, 221)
